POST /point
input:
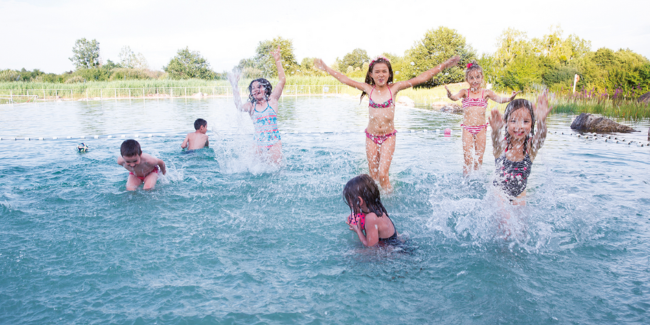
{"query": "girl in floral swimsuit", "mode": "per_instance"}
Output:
(262, 107)
(474, 106)
(380, 133)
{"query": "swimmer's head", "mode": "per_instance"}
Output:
(363, 189)
(519, 119)
(199, 123)
(259, 89)
(474, 75)
(380, 73)
(130, 148)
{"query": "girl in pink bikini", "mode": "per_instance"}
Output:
(381, 133)
(474, 107)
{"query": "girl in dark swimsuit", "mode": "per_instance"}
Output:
(515, 152)
(369, 218)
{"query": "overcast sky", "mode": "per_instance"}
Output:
(40, 34)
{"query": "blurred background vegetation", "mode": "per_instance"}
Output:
(519, 63)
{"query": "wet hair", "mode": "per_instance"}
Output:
(199, 123)
(130, 148)
(473, 66)
(267, 89)
(369, 79)
(513, 106)
(365, 187)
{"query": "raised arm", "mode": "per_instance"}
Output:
(542, 108)
(493, 96)
(496, 122)
(426, 75)
(233, 77)
(457, 96)
(318, 63)
(277, 90)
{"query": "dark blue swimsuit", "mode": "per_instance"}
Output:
(512, 176)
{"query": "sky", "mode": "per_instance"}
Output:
(40, 34)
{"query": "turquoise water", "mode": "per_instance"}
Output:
(226, 239)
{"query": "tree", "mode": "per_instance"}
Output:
(437, 46)
(187, 64)
(128, 59)
(354, 59)
(86, 54)
(263, 64)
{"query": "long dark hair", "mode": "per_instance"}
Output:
(369, 79)
(365, 187)
(267, 89)
(513, 106)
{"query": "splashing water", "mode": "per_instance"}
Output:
(224, 238)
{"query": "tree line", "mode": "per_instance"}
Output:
(519, 63)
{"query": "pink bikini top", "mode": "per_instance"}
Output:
(475, 102)
(387, 103)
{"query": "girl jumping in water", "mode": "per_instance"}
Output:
(475, 102)
(515, 153)
(381, 133)
(368, 218)
(262, 106)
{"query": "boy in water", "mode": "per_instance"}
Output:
(141, 166)
(198, 139)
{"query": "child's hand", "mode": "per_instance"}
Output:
(276, 54)
(319, 64)
(448, 92)
(452, 62)
(496, 120)
(542, 108)
(353, 225)
(514, 94)
(234, 76)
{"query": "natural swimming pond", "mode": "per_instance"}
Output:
(226, 239)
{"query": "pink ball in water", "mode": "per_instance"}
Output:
(447, 132)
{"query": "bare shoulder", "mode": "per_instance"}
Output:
(120, 160)
(149, 159)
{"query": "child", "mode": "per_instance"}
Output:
(141, 166)
(262, 108)
(369, 218)
(198, 139)
(381, 133)
(516, 152)
(474, 126)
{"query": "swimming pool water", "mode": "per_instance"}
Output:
(226, 239)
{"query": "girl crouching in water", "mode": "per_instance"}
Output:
(369, 218)
(475, 102)
(381, 133)
(263, 107)
(515, 153)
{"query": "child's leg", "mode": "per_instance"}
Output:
(480, 148)
(150, 181)
(132, 183)
(468, 155)
(385, 158)
(372, 152)
(275, 153)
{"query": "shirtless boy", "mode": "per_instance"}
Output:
(141, 166)
(197, 139)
